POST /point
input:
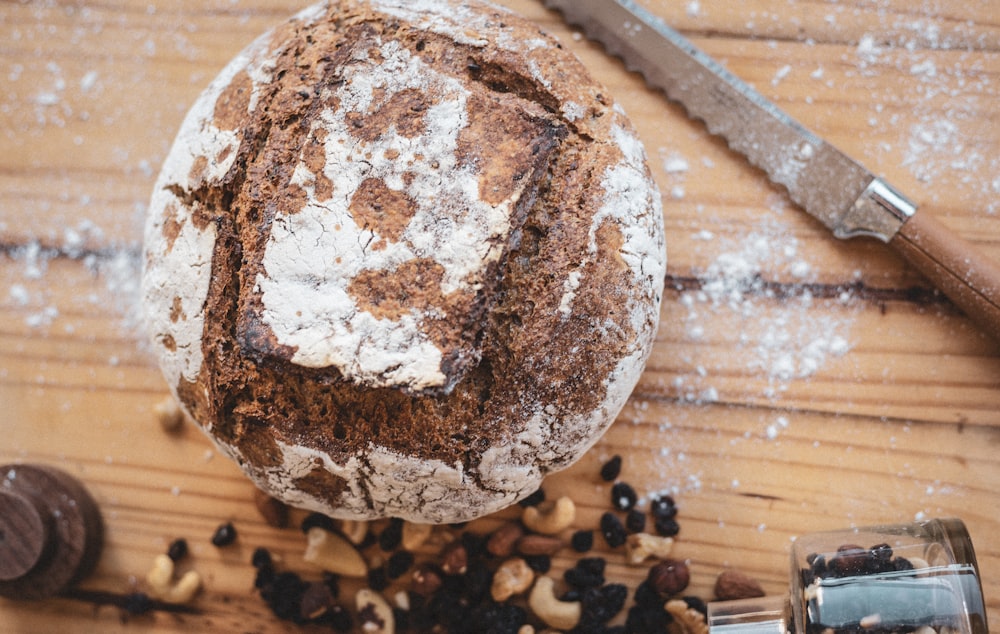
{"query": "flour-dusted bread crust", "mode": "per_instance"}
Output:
(404, 259)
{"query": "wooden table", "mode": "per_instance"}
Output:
(798, 383)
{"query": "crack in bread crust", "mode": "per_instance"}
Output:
(553, 330)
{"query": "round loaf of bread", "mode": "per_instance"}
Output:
(405, 258)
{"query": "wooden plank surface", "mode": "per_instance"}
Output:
(798, 383)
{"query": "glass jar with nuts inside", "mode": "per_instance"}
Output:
(920, 577)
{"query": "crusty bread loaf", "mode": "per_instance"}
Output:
(404, 259)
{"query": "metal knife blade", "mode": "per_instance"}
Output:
(821, 179)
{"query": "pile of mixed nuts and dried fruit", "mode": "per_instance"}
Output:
(450, 579)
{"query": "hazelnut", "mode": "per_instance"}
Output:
(669, 577)
(454, 559)
(426, 579)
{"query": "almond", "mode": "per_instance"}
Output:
(733, 584)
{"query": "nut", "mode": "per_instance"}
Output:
(414, 535)
(669, 577)
(562, 615)
(527, 628)
(641, 546)
(333, 553)
(502, 541)
(273, 510)
(511, 578)
(550, 518)
(170, 415)
(691, 621)
(374, 612)
(426, 579)
(733, 584)
(454, 559)
(162, 586)
(539, 545)
(354, 530)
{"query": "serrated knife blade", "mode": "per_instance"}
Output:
(829, 185)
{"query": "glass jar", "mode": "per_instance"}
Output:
(921, 578)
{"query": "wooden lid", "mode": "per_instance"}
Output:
(51, 533)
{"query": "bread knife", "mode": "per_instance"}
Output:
(835, 189)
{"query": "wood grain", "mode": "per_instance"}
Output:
(760, 435)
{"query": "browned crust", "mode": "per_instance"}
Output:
(522, 352)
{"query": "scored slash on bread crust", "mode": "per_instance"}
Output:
(404, 259)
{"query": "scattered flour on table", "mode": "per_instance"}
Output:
(778, 333)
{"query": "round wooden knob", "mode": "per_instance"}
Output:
(24, 534)
(51, 534)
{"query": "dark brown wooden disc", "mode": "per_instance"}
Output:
(53, 534)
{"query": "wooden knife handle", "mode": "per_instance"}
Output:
(955, 267)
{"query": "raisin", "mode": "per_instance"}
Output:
(601, 604)
(647, 620)
(582, 541)
(635, 521)
(399, 562)
(314, 520)
(611, 469)
(392, 536)
(261, 558)
(663, 506)
(534, 499)
(178, 550)
(623, 496)
(587, 573)
(539, 563)
(666, 526)
(613, 530)
(224, 535)
(378, 579)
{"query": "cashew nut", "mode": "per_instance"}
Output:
(374, 612)
(513, 577)
(549, 518)
(562, 615)
(333, 553)
(354, 530)
(414, 535)
(641, 546)
(162, 586)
